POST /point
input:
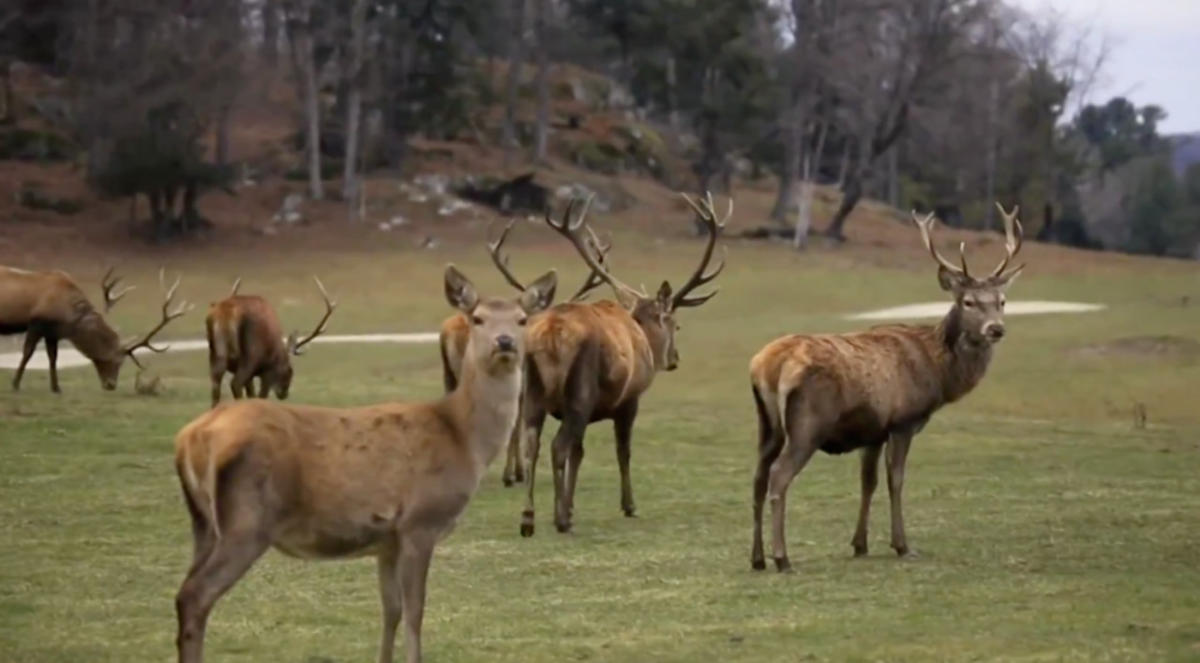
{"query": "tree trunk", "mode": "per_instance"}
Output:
(269, 48)
(350, 183)
(516, 60)
(672, 95)
(893, 177)
(851, 194)
(312, 106)
(793, 145)
(9, 114)
(222, 139)
(844, 163)
(804, 209)
(542, 80)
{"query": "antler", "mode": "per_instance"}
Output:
(594, 280)
(297, 347)
(1014, 235)
(236, 284)
(925, 225)
(107, 284)
(570, 228)
(167, 316)
(501, 261)
(707, 214)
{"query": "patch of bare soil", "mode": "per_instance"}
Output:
(1152, 347)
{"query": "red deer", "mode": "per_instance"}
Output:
(841, 392)
(387, 480)
(246, 339)
(50, 306)
(455, 331)
(593, 361)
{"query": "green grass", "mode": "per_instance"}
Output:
(1050, 529)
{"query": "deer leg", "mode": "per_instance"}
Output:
(52, 355)
(217, 374)
(390, 593)
(203, 536)
(514, 470)
(241, 383)
(898, 445)
(231, 557)
(770, 442)
(574, 460)
(415, 555)
(32, 336)
(623, 431)
(870, 478)
(264, 386)
(798, 448)
(562, 450)
(535, 418)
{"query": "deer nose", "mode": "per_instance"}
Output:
(994, 331)
(506, 343)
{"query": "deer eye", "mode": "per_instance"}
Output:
(522, 321)
(968, 303)
(476, 320)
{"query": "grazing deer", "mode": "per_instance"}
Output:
(246, 339)
(841, 392)
(593, 361)
(50, 306)
(455, 330)
(387, 480)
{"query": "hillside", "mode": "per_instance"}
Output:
(634, 169)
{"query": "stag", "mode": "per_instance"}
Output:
(590, 362)
(387, 480)
(50, 306)
(246, 339)
(455, 331)
(841, 392)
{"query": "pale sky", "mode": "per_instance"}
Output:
(1155, 52)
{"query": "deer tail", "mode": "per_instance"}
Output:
(200, 489)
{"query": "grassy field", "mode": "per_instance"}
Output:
(1050, 529)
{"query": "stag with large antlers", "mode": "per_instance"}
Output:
(593, 361)
(245, 338)
(50, 306)
(456, 330)
(386, 480)
(872, 391)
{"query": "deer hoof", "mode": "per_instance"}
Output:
(904, 552)
(526, 530)
(860, 550)
(758, 564)
(629, 512)
(508, 482)
(782, 565)
(562, 527)
(519, 476)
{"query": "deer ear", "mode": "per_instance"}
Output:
(664, 294)
(460, 293)
(951, 281)
(540, 294)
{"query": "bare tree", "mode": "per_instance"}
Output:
(269, 48)
(516, 60)
(300, 34)
(351, 184)
(542, 77)
(889, 59)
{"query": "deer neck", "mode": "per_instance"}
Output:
(963, 362)
(94, 339)
(484, 407)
